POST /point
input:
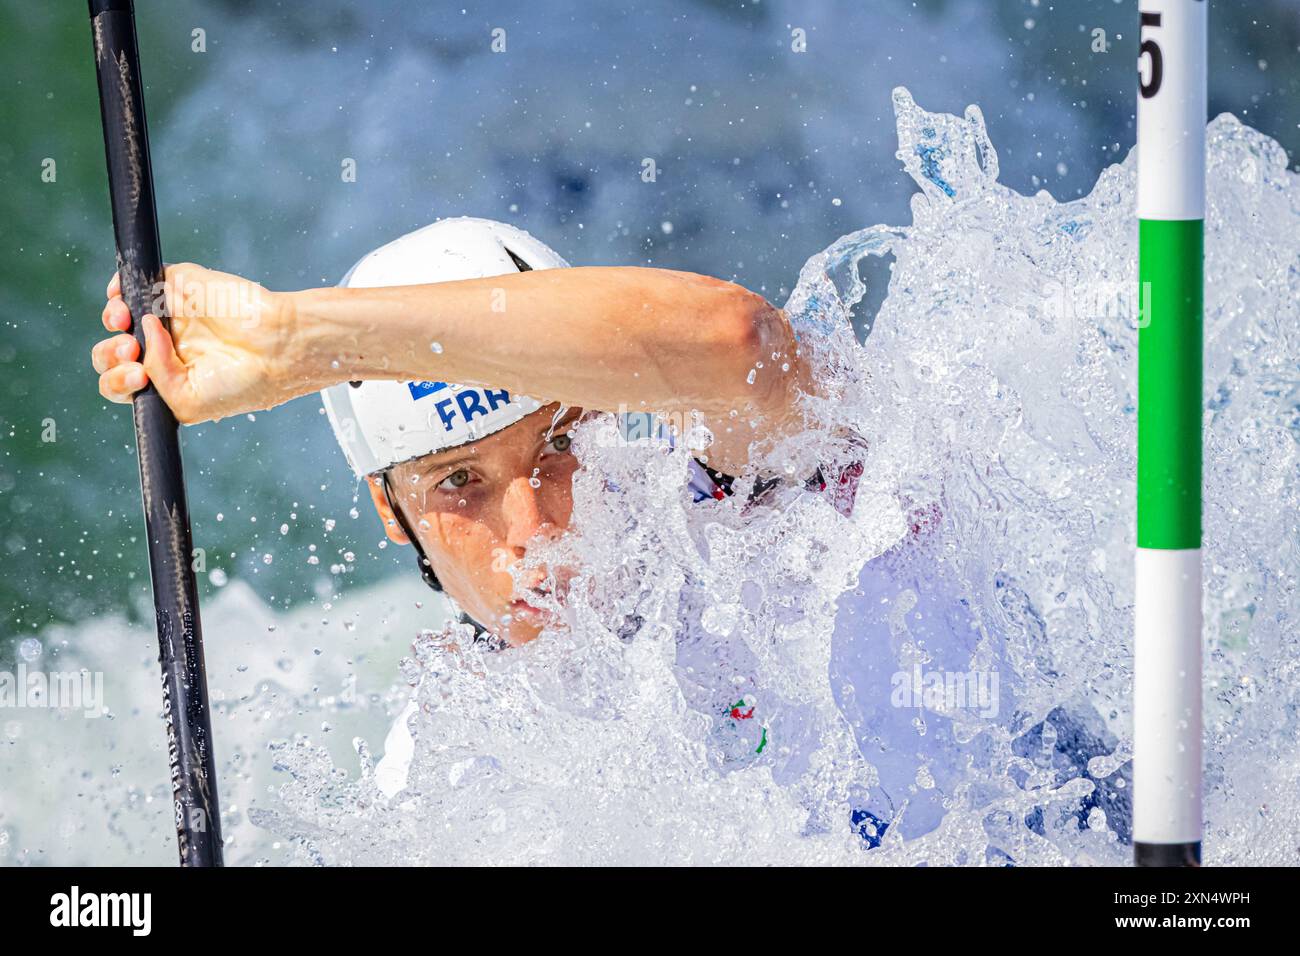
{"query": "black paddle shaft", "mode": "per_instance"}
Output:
(162, 484)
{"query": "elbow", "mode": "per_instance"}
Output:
(747, 326)
(756, 345)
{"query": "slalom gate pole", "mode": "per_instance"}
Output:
(1171, 115)
(162, 483)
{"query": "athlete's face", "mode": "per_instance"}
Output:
(477, 508)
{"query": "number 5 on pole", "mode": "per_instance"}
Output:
(1167, 641)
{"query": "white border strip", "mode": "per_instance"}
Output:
(1167, 697)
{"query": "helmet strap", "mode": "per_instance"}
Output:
(481, 634)
(426, 569)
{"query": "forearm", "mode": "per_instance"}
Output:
(602, 338)
(607, 339)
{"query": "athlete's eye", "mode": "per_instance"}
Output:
(561, 443)
(457, 479)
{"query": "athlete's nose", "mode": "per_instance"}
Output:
(524, 517)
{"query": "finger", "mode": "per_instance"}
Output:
(166, 370)
(114, 286)
(178, 280)
(116, 317)
(113, 352)
(119, 383)
(174, 276)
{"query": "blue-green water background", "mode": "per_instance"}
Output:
(764, 157)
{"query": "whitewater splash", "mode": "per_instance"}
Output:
(729, 689)
(756, 683)
(940, 675)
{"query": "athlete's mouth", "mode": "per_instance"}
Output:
(525, 611)
(539, 599)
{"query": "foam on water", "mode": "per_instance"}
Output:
(725, 690)
(97, 792)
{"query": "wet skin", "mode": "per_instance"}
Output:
(476, 509)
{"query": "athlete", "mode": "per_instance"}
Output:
(470, 473)
(425, 355)
(454, 363)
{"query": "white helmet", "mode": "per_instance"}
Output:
(382, 423)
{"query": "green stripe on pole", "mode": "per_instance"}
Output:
(1169, 384)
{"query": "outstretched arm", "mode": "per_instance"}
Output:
(615, 339)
